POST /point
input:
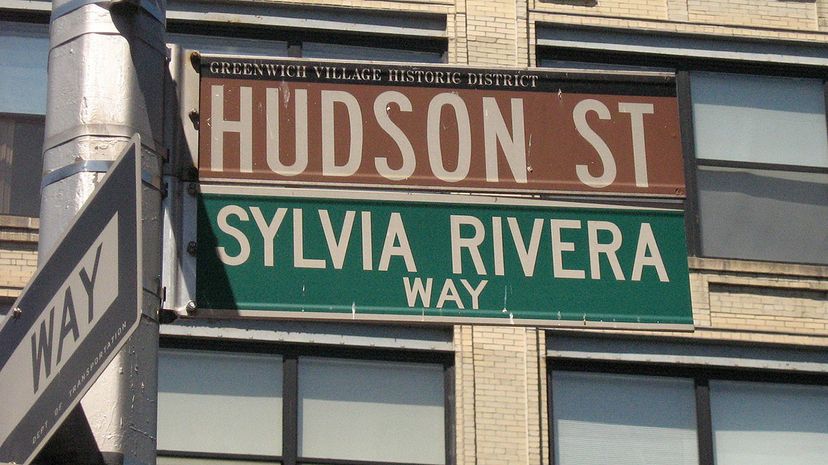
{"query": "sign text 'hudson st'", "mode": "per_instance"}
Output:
(438, 127)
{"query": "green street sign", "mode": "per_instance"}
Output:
(438, 258)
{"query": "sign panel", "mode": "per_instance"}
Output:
(442, 128)
(74, 315)
(360, 255)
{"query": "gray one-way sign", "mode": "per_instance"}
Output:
(75, 314)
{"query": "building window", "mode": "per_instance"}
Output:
(371, 410)
(633, 419)
(767, 424)
(259, 403)
(230, 45)
(759, 119)
(24, 49)
(5, 305)
(761, 148)
(222, 403)
(754, 130)
(241, 42)
(363, 52)
(308, 32)
(641, 414)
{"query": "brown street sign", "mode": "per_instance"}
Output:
(440, 128)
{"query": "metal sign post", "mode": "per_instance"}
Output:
(75, 314)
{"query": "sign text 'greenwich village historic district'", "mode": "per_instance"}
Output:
(275, 237)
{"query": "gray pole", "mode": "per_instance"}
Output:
(107, 67)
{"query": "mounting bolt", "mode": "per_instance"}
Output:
(16, 312)
(192, 248)
(192, 188)
(194, 118)
(191, 307)
(195, 61)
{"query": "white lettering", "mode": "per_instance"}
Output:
(449, 292)
(637, 112)
(472, 244)
(646, 241)
(337, 247)
(514, 145)
(434, 132)
(243, 127)
(528, 255)
(299, 260)
(559, 247)
(268, 230)
(274, 160)
(225, 227)
(579, 115)
(415, 290)
(367, 242)
(596, 249)
(396, 234)
(497, 245)
(474, 292)
(329, 167)
(382, 105)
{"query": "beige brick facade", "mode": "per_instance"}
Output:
(732, 301)
(500, 414)
(18, 254)
(500, 372)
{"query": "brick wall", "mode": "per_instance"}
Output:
(757, 13)
(500, 394)
(500, 387)
(500, 371)
(637, 9)
(18, 254)
(760, 302)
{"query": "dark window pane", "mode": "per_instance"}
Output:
(768, 424)
(24, 52)
(764, 215)
(759, 119)
(5, 305)
(219, 402)
(636, 420)
(229, 45)
(371, 410)
(354, 52)
(21, 164)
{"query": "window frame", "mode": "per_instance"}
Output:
(692, 163)
(33, 120)
(33, 16)
(296, 38)
(701, 377)
(290, 354)
(683, 66)
(296, 25)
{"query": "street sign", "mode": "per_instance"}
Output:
(438, 127)
(75, 314)
(375, 256)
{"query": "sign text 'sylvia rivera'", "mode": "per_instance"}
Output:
(361, 255)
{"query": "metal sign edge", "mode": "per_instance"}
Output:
(415, 197)
(135, 142)
(211, 313)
